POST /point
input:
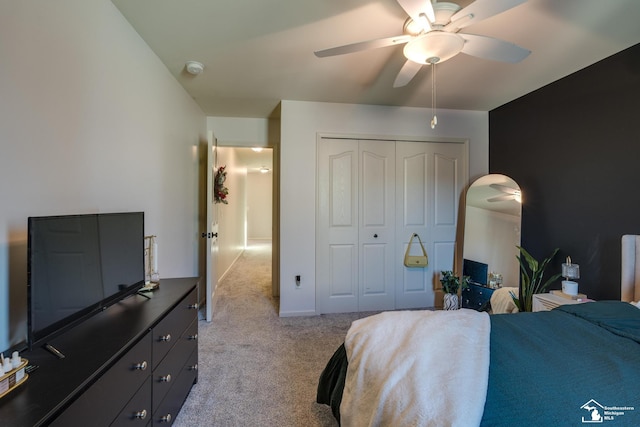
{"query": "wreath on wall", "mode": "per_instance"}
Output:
(220, 192)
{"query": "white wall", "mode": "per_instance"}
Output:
(259, 205)
(301, 122)
(90, 121)
(240, 131)
(491, 237)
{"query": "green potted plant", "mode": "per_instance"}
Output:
(450, 285)
(531, 279)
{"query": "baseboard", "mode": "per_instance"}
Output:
(297, 313)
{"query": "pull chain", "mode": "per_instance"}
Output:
(434, 119)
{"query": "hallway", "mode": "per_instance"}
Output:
(255, 368)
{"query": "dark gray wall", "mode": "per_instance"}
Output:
(574, 148)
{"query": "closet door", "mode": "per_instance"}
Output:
(337, 227)
(355, 226)
(429, 181)
(377, 226)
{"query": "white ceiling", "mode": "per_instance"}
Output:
(258, 52)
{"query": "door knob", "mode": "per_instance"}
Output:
(375, 236)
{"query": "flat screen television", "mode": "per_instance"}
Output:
(79, 265)
(477, 271)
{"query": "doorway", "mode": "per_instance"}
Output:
(246, 219)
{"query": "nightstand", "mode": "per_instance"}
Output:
(548, 301)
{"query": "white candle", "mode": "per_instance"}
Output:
(155, 257)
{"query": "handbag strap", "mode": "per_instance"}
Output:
(424, 252)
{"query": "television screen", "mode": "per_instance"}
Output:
(78, 264)
(477, 271)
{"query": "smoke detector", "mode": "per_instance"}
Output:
(194, 67)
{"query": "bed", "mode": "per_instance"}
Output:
(575, 364)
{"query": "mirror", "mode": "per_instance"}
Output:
(492, 223)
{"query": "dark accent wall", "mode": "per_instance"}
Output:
(573, 146)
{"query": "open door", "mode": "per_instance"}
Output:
(211, 233)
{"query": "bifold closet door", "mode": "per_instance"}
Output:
(355, 226)
(429, 180)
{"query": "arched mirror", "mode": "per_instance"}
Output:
(492, 223)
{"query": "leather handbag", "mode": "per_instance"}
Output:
(417, 261)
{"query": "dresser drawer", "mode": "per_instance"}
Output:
(167, 372)
(113, 390)
(476, 297)
(167, 411)
(171, 327)
(138, 411)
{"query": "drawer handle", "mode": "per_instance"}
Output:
(193, 367)
(140, 366)
(165, 338)
(140, 415)
(193, 306)
(193, 337)
(166, 419)
(166, 378)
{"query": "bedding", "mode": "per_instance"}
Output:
(391, 353)
(576, 363)
(502, 302)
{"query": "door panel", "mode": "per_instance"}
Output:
(414, 188)
(337, 227)
(343, 273)
(211, 233)
(377, 226)
(430, 177)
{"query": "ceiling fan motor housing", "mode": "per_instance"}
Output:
(434, 47)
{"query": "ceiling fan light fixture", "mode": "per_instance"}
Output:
(436, 44)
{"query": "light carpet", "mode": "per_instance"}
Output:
(255, 368)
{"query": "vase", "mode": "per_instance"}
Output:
(451, 302)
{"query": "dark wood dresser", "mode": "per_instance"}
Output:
(132, 364)
(477, 297)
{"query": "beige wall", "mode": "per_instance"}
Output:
(259, 205)
(90, 121)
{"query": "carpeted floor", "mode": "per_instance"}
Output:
(255, 368)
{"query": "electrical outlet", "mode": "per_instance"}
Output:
(298, 280)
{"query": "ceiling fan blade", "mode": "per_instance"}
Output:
(360, 46)
(482, 9)
(407, 72)
(504, 188)
(417, 8)
(492, 48)
(502, 198)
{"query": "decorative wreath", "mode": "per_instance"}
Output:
(220, 192)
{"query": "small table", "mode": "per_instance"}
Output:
(548, 301)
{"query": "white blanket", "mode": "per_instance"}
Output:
(417, 368)
(502, 302)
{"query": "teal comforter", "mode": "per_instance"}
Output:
(556, 368)
(573, 365)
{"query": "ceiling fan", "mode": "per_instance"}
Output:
(432, 35)
(508, 193)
